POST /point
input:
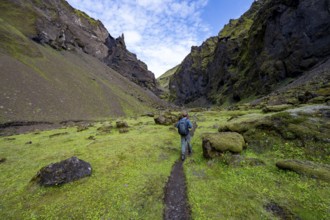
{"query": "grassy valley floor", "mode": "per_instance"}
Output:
(130, 171)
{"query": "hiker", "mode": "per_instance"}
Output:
(183, 126)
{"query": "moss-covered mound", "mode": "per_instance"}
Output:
(307, 127)
(308, 168)
(217, 143)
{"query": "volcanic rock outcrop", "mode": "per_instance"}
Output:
(273, 44)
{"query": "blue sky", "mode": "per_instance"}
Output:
(161, 32)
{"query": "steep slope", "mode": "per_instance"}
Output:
(59, 25)
(164, 81)
(273, 44)
(39, 83)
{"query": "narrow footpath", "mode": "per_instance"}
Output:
(176, 203)
(176, 200)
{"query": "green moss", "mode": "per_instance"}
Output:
(83, 15)
(127, 180)
(203, 55)
(211, 184)
(15, 43)
(306, 168)
(131, 169)
(225, 141)
(164, 80)
(22, 18)
(236, 28)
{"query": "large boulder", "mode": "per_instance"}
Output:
(63, 172)
(215, 144)
(308, 168)
(166, 119)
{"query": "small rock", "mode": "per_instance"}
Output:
(123, 130)
(82, 127)
(105, 129)
(149, 114)
(121, 124)
(279, 211)
(91, 138)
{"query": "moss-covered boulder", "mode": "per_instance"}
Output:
(308, 168)
(121, 124)
(166, 119)
(214, 144)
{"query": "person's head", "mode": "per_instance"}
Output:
(184, 114)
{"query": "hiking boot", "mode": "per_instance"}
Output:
(183, 157)
(189, 152)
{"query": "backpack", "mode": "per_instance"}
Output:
(183, 128)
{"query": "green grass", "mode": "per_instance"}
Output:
(219, 191)
(130, 171)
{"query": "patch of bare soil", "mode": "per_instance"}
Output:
(280, 212)
(20, 127)
(176, 203)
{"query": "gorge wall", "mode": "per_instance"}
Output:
(271, 45)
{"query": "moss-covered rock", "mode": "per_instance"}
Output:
(166, 119)
(121, 124)
(215, 144)
(308, 168)
(105, 129)
(276, 108)
(242, 161)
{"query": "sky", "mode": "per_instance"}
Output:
(162, 32)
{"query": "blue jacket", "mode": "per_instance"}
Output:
(188, 123)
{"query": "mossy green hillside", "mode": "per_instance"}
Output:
(14, 42)
(21, 18)
(164, 79)
(129, 172)
(203, 55)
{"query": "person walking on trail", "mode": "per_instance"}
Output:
(183, 127)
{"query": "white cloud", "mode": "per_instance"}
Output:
(160, 32)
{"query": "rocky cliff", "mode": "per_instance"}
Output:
(54, 66)
(56, 23)
(273, 44)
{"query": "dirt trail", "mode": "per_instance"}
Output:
(176, 200)
(176, 204)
